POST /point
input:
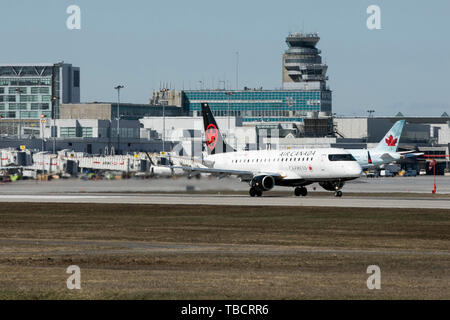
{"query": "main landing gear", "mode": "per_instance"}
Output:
(300, 191)
(255, 192)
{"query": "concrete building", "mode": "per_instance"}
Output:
(93, 128)
(109, 110)
(28, 90)
(100, 146)
(91, 136)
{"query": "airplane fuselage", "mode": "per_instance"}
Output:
(327, 164)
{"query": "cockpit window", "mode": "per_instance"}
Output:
(341, 157)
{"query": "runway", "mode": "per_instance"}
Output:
(399, 192)
(234, 200)
(420, 184)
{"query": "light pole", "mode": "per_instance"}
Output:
(42, 138)
(163, 91)
(54, 130)
(237, 70)
(118, 115)
(370, 113)
(19, 105)
(229, 93)
(55, 112)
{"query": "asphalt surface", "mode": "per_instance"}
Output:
(235, 200)
(173, 191)
(419, 184)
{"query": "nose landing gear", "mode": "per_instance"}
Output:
(338, 193)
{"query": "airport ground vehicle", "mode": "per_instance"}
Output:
(410, 173)
(386, 173)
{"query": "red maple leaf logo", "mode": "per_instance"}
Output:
(391, 142)
(211, 136)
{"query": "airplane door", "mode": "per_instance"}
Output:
(323, 159)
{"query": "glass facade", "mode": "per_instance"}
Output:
(260, 105)
(31, 86)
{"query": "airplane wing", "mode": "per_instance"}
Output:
(411, 154)
(228, 172)
(387, 157)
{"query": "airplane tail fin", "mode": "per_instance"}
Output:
(214, 141)
(391, 140)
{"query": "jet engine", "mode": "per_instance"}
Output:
(264, 183)
(161, 171)
(332, 185)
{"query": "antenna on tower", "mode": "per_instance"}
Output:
(237, 70)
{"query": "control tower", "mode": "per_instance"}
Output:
(302, 63)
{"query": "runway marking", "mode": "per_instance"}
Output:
(235, 200)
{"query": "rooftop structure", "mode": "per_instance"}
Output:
(108, 111)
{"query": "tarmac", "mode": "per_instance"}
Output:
(206, 191)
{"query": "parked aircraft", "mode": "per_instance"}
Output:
(385, 152)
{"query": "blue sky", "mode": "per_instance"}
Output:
(403, 67)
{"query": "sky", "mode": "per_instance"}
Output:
(402, 67)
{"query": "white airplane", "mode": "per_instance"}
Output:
(264, 169)
(166, 165)
(384, 152)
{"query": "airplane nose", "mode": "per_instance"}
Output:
(355, 170)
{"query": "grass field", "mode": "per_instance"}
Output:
(212, 252)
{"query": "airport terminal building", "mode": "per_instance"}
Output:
(255, 105)
(29, 91)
